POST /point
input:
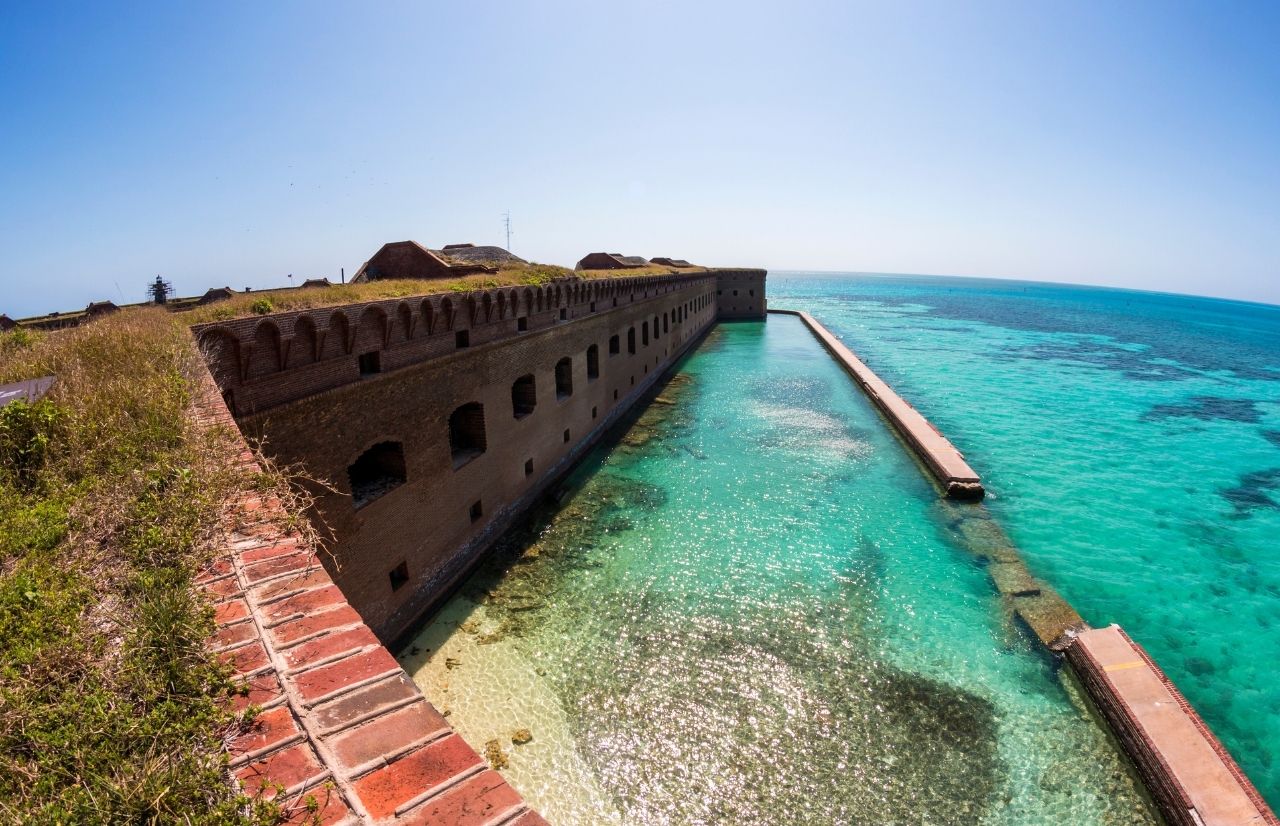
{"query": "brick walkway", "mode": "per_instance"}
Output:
(344, 734)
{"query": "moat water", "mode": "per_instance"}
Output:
(752, 610)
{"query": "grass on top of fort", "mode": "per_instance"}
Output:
(112, 708)
(285, 300)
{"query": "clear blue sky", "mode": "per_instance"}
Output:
(233, 143)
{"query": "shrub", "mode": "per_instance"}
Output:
(25, 432)
(15, 339)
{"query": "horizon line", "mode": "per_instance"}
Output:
(1026, 280)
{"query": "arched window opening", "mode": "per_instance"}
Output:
(644, 334)
(564, 378)
(614, 346)
(524, 396)
(466, 433)
(631, 340)
(378, 471)
(593, 363)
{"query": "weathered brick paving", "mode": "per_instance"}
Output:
(344, 736)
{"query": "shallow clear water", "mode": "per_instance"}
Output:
(751, 610)
(1132, 445)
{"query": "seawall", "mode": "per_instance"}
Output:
(1190, 775)
(944, 461)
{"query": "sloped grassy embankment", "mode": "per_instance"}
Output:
(110, 704)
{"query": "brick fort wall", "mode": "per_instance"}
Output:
(466, 431)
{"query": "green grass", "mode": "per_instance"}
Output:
(112, 709)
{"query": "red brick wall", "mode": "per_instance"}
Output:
(261, 362)
(405, 259)
(427, 523)
(1185, 788)
(740, 293)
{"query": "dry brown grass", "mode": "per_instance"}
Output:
(279, 301)
(110, 499)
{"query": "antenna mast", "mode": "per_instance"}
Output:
(506, 218)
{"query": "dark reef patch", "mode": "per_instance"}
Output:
(730, 692)
(1135, 365)
(1272, 436)
(1207, 409)
(1254, 492)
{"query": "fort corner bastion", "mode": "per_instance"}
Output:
(439, 419)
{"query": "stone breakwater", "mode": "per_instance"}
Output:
(1188, 772)
(944, 461)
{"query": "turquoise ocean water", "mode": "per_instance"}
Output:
(1131, 442)
(752, 608)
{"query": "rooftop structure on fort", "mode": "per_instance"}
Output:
(611, 261)
(409, 259)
